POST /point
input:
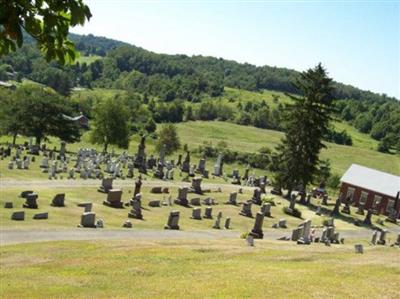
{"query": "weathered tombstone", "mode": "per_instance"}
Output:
(127, 224)
(374, 237)
(208, 213)
(368, 217)
(114, 198)
(282, 223)
(196, 185)
(218, 165)
(266, 209)
(346, 208)
(58, 200)
(195, 201)
(335, 210)
(19, 216)
(106, 185)
(196, 213)
(227, 223)
(88, 219)
(8, 205)
(382, 237)
(156, 190)
(296, 233)
(173, 220)
(359, 248)
(256, 199)
(208, 201)
(305, 238)
(182, 196)
(41, 216)
(257, 231)
(246, 210)
(232, 198)
(138, 185)
(30, 202)
(136, 211)
(154, 203)
(217, 224)
(86, 205)
(250, 240)
(186, 163)
(201, 166)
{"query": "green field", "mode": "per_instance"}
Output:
(196, 269)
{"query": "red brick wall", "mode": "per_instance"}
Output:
(370, 199)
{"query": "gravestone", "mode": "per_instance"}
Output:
(257, 231)
(232, 198)
(335, 210)
(195, 201)
(156, 190)
(227, 223)
(266, 209)
(24, 194)
(19, 216)
(250, 240)
(136, 211)
(208, 213)
(209, 201)
(382, 237)
(11, 165)
(305, 238)
(88, 219)
(41, 216)
(30, 202)
(106, 185)
(218, 165)
(296, 233)
(127, 224)
(282, 223)
(217, 224)
(86, 205)
(114, 198)
(256, 199)
(8, 205)
(186, 163)
(374, 237)
(201, 168)
(182, 196)
(325, 199)
(173, 221)
(318, 211)
(346, 208)
(138, 185)
(359, 248)
(246, 210)
(368, 217)
(196, 213)
(154, 203)
(58, 200)
(196, 185)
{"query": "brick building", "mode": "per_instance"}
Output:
(372, 189)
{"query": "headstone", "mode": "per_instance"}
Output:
(196, 185)
(257, 231)
(368, 217)
(374, 237)
(58, 200)
(86, 205)
(41, 216)
(156, 190)
(30, 202)
(100, 223)
(208, 213)
(182, 196)
(208, 201)
(250, 240)
(256, 199)
(195, 201)
(114, 198)
(154, 203)
(246, 210)
(359, 248)
(106, 185)
(19, 216)
(201, 166)
(382, 237)
(8, 205)
(232, 198)
(218, 166)
(138, 185)
(296, 233)
(186, 163)
(227, 223)
(282, 223)
(88, 219)
(217, 224)
(196, 213)
(305, 238)
(266, 209)
(335, 210)
(173, 220)
(11, 165)
(318, 211)
(127, 224)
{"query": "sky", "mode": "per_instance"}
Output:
(357, 41)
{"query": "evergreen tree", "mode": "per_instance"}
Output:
(307, 120)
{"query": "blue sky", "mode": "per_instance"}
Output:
(357, 41)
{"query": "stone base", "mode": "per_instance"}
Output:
(41, 216)
(182, 202)
(30, 206)
(133, 214)
(171, 227)
(257, 234)
(117, 205)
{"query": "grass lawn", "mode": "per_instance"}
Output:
(196, 269)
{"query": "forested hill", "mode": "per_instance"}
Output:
(109, 63)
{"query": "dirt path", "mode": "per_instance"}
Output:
(8, 237)
(54, 184)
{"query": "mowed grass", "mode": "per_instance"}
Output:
(196, 269)
(156, 217)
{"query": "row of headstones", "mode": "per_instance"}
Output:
(31, 200)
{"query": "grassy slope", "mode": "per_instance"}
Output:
(196, 269)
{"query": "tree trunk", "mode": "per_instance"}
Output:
(289, 194)
(105, 147)
(303, 196)
(38, 140)
(14, 139)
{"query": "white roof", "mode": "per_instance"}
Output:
(372, 179)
